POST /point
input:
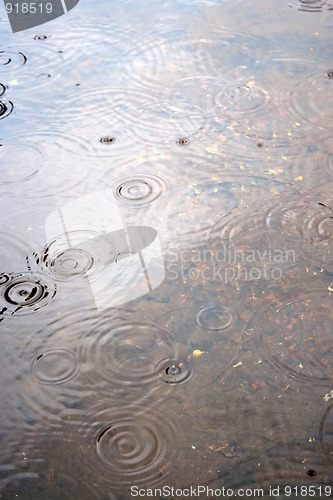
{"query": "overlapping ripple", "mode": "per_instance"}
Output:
(130, 115)
(301, 220)
(156, 65)
(203, 205)
(263, 110)
(128, 353)
(295, 335)
(312, 97)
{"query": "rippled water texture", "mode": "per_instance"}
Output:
(166, 269)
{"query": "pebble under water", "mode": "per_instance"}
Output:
(166, 266)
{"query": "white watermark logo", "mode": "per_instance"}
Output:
(124, 262)
(226, 264)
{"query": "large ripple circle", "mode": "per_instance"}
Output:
(134, 444)
(126, 353)
(296, 336)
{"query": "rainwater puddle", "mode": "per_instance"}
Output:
(166, 266)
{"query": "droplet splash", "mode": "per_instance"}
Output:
(24, 293)
(173, 371)
(6, 108)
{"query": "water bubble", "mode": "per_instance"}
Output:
(41, 37)
(2, 89)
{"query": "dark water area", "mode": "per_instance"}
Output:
(166, 268)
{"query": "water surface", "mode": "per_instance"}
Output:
(166, 235)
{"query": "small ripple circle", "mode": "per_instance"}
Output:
(140, 190)
(71, 262)
(215, 317)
